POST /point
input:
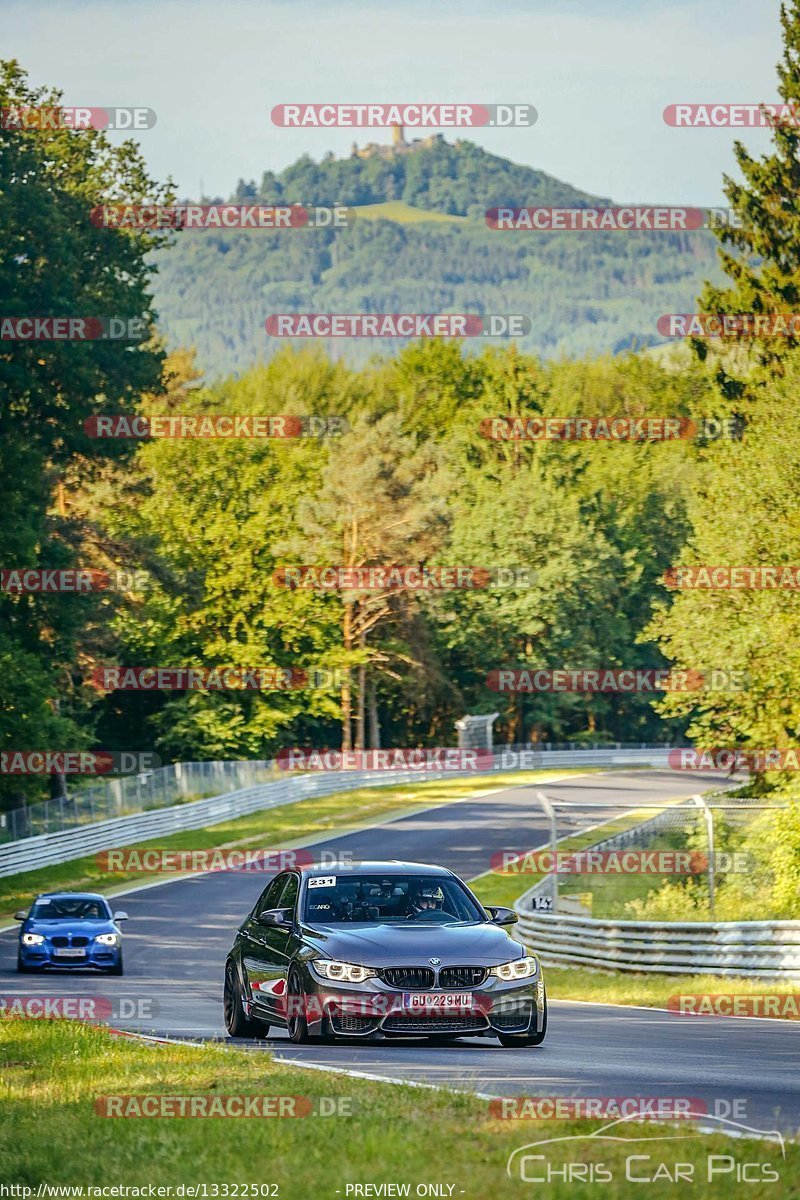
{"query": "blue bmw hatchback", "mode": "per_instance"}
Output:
(70, 929)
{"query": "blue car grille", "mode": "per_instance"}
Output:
(60, 940)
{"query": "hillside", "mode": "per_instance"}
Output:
(584, 292)
(461, 179)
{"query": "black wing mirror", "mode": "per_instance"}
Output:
(276, 917)
(502, 916)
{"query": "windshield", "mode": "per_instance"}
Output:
(381, 899)
(73, 908)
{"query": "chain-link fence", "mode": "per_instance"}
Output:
(179, 782)
(704, 836)
(174, 784)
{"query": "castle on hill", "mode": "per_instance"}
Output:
(399, 145)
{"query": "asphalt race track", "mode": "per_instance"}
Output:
(179, 933)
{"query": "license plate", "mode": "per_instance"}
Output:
(72, 952)
(437, 1001)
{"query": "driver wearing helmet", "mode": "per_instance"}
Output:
(426, 898)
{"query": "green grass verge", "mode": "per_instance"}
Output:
(311, 819)
(53, 1072)
(654, 991)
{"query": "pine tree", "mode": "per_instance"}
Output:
(760, 246)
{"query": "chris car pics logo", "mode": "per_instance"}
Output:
(647, 1158)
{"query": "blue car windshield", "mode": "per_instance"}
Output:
(380, 899)
(69, 908)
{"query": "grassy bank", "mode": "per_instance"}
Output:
(307, 820)
(654, 991)
(52, 1074)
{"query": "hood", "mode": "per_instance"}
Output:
(410, 944)
(48, 926)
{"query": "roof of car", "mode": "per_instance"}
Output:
(70, 896)
(381, 867)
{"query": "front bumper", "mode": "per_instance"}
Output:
(373, 1009)
(95, 955)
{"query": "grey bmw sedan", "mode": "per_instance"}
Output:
(381, 950)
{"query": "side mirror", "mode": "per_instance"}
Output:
(280, 918)
(20, 916)
(120, 916)
(502, 916)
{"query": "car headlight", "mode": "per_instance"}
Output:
(329, 968)
(107, 939)
(520, 968)
(32, 939)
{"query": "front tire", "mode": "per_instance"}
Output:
(118, 968)
(237, 1023)
(23, 969)
(296, 1023)
(520, 1040)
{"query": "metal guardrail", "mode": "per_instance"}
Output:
(766, 949)
(30, 853)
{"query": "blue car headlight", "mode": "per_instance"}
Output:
(32, 939)
(520, 968)
(107, 939)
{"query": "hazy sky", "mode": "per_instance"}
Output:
(600, 72)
